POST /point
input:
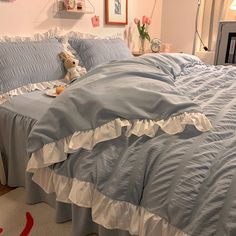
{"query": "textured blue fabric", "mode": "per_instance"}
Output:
(93, 52)
(17, 117)
(127, 89)
(189, 179)
(23, 63)
(172, 63)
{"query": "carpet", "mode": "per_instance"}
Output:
(13, 217)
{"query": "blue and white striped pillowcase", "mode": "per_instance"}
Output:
(23, 63)
(93, 52)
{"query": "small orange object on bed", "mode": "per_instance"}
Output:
(60, 89)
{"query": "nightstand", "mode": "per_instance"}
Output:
(225, 53)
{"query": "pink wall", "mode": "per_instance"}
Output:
(173, 20)
(25, 17)
(178, 20)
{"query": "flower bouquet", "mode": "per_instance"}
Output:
(143, 31)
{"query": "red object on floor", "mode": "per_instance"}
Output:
(1, 230)
(29, 224)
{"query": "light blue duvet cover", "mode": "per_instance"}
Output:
(148, 183)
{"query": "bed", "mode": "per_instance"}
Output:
(139, 146)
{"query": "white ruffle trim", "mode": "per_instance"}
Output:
(56, 32)
(56, 152)
(29, 88)
(52, 33)
(109, 213)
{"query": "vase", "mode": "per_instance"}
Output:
(141, 45)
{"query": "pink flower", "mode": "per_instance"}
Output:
(143, 29)
(136, 20)
(144, 20)
(148, 21)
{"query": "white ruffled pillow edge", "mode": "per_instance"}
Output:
(53, 33)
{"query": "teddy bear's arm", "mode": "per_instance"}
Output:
(67, 77)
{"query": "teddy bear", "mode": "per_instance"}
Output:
(71, 65)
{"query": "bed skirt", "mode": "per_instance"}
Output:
(13, 156)
(82, 224)
(2, 172)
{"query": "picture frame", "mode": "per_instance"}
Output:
(116, 12)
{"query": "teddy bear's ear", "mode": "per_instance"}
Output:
(62, 55)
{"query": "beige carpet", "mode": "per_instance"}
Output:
(12, 217)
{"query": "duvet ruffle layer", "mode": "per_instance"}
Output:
(105, 211)
(29, 88)
(56, 152)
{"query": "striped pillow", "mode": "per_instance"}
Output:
(93, 52)
(23, 63)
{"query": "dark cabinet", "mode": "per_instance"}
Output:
(225, 53)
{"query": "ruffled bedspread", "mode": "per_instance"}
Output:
(129, 141)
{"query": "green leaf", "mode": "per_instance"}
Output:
(147, 36)
(139, 27)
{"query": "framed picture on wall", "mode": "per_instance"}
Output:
(116, 12)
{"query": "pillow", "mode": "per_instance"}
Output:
(172, 63)
(93, 52)
(23, 63)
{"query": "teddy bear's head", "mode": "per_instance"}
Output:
(71, 65)
(69, 60)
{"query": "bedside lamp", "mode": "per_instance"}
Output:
(233, 5)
